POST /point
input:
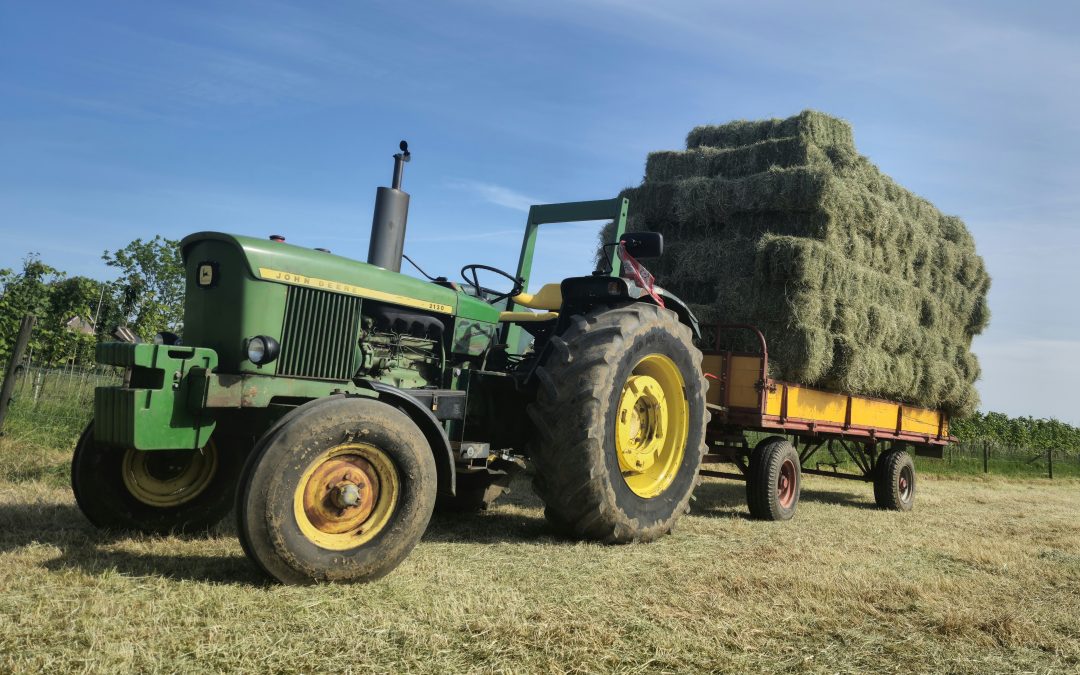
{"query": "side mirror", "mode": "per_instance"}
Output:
(643, 244)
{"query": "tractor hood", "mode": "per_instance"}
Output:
(283, 263)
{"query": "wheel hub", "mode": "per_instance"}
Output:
(346, 496)
(642, 420)
(168, 478)
(785, 484)
(651, 425)
(904, 483)
(340, 494)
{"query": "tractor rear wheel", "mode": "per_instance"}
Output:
(620, 419)
(341, 490)
(774, 481)
(894, 484)
(154, 491)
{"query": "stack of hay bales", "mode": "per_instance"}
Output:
(858, 285)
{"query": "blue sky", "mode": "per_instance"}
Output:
(128, 119)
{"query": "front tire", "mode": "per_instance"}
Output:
(154, 491)
(620, 419)
(341, 491)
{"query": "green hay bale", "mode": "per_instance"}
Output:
(809, 126)
(857, 283)
(670, 165)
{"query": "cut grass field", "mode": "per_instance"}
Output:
(983, 576)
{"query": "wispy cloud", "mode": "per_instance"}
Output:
(497, 194)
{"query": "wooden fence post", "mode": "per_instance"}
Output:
(8, 387)
(1050, 462)
(986, 456)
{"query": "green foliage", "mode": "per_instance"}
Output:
(147, 297)
(25, 292)
(1017, 432)
(150, 291)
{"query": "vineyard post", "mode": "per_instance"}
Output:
(8, 387)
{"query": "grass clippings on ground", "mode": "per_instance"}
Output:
(984, 576)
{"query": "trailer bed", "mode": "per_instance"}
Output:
(743, 397)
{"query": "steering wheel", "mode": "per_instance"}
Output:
(468, 273)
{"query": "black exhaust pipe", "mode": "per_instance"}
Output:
(391, 213)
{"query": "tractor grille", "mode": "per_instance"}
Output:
(319, 338)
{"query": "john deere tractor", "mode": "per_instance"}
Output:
(334, 404)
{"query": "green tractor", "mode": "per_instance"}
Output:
(334, 404)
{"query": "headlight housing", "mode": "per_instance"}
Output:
(262, 349)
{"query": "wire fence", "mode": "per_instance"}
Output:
(54, 404)
(977, 456)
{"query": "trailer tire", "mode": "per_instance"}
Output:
(894, 482)
(155, 491)
(339, 491)
(774, 480)
(620, 383)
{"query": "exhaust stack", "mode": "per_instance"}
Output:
(391, 213)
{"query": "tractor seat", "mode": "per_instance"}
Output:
(527, 317)
(549, 297)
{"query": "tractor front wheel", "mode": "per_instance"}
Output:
(620, 420)
(154, 491)
(341, 490)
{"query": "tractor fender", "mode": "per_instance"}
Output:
(429, 425)
(675, 304)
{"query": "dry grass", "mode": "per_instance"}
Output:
(983, 576)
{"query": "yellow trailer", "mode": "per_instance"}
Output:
(877, 435)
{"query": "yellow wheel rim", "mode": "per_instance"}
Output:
(167, 478)
(651, 425)
(346, 496)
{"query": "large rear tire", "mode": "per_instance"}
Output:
(620, 418)
(340, 491)
(154, 491)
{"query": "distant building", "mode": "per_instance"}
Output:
(78, 324)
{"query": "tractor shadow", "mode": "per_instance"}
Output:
(859, 499)
(215, 557)
(84, 548)
(727, 499)
(517, 518)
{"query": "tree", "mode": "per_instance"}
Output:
(22, 293)
(75, 301)
(150, 291)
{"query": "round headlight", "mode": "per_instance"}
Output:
(262, 349)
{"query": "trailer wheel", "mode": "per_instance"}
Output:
(774, 481)
(154, 491)
(620, 424)
(894, 484)
(340, 491)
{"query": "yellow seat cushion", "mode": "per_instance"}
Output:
(548, 297)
